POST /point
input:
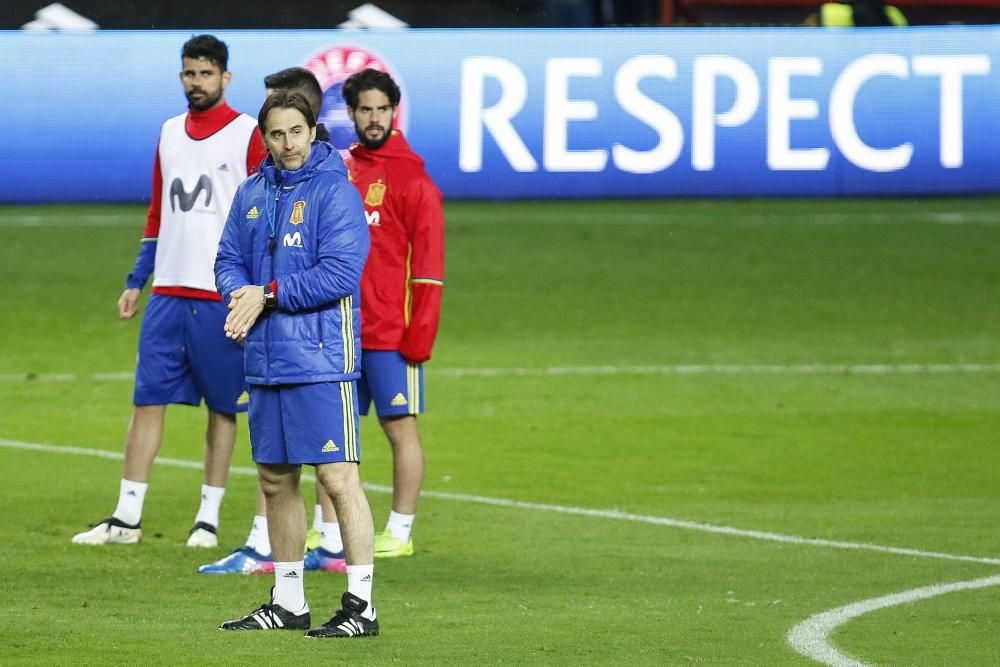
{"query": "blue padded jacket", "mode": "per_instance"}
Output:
(306, 229)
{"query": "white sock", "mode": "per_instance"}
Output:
(211, 500)
(359, 584)
(318, 518)
(330, 537)
(288, 589)
(258, 539)
(130, 498)
(400, 525)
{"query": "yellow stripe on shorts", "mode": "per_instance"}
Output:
(350, 422)
(413, 388)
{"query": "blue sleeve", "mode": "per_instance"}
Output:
(343, 241)
(230, 265)
(143, 268)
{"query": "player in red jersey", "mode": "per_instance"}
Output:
(184, 356)
(400, 287)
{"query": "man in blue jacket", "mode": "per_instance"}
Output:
(290, 260)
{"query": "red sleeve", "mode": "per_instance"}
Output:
(425, 226)
(153, 215)
(256, 152)
(418, 340)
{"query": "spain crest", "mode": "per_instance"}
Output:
(375, 194)
(298, 210)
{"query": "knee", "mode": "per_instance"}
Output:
(338, 478)
(274, 482)
(402, 433)
(269, 486)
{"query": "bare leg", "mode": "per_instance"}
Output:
(286, 516)
(261, 504)
(407, 462)
(145, 434)
(342, 482)
(220, 437)
(323, 500)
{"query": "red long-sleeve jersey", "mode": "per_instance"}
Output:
(402, 281)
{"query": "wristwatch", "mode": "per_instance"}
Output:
(270, 301)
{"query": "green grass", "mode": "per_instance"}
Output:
(905, 459)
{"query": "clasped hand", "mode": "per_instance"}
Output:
(245, 306)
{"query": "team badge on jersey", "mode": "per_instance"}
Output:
(375, 194)
(298, 210)
(253, 214)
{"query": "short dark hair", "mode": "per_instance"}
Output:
(297, 80)
(368, 79)
(208, 47)
(285, 99)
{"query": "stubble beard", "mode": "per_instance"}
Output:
(205, 103)
(372, 144)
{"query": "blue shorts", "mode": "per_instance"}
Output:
(184, 356)
(304, 423)
(396, 386)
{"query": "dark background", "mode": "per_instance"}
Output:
(244, 14)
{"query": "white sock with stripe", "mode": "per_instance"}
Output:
(359, 584)
(130, 498)
(211, 501)
(288, 589)
(400, 525)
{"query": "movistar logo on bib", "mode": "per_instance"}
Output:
(179, 197)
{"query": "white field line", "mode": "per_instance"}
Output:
(614, 515)
(669, 215)
(74, 220)
(811, 637)
(690, 216)
(555, 371)
(725, 369)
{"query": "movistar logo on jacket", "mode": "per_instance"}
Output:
(293, 240)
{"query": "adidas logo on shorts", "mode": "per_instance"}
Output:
(398, 399)
(330, 446)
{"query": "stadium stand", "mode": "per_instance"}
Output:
(796, 12)
(244, 14)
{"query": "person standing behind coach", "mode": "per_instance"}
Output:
(400, 289)
(290, 260)
(184, 357)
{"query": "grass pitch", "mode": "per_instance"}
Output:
(823, 370)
